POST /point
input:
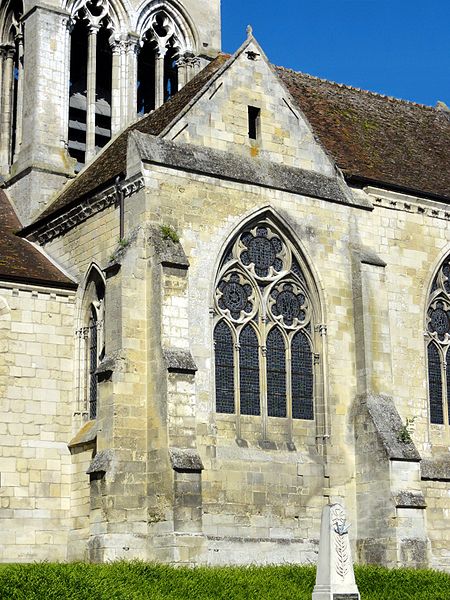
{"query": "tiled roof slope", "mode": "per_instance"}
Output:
(112, 161)
(19, 260)
(376, 138)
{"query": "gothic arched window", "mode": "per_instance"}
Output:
(91, 344)
(263, 340)
(438, 357)
(165, 60)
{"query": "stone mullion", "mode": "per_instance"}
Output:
(68, 26)
(91, 91)
(6, 114)
(159, 79)
(115, 89)
(124, 83)
(19, 112)
(2, 58)
(237, 388)
(444, 386)
(263, 377)
(132, 57)
(289, 388)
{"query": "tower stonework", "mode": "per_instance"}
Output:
(66, 95)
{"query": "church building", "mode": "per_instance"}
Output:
(224, 298)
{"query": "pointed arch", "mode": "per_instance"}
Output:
(185, 28)
(265, 290)
(91, 339)
(437, 332)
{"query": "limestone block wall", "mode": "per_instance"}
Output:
(36, 383)
(437, 496)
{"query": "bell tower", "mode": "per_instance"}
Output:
(73, 73)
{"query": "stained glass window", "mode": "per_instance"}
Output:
(435, 385)
(302, 378)
(224, 349)
(249, 372)
(276, 374)
(438, 332)
(262, 302)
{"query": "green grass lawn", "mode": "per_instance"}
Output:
(136, 581)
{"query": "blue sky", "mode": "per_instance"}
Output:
(395, 47)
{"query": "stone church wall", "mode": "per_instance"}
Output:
(37, 389)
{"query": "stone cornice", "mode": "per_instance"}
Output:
(83, 210)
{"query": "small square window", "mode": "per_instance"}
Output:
(254, 118)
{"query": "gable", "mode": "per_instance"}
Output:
(219, 119)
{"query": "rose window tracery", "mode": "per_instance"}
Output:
(235, 296)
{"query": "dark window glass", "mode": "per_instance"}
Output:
(435, 385)
(302, 378)
(276, 374)
(92, 369)
(224, 359)
(249, 372)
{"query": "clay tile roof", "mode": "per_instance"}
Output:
(19, 260)
(374, 138)
(112, 161)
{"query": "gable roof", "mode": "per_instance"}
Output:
(372, 138)
(375, 138)
(20, 260)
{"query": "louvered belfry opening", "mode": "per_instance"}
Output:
(77, 93)
(264, 325)
(90, 81)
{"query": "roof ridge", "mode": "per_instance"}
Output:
(357, 89)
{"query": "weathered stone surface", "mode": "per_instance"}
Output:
(179, 361)
(185, 459)
(189, 157)
(435, 469)
(389, 426)
(408, 499)
(101, 462)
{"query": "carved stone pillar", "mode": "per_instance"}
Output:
(115, 89)
(91, 91)
(132, 57)
(182, 71)
(19, 112)
(159, 79)
(7, 99)
(123, 82)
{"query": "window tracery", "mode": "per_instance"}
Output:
(262, 330)
(165, 60)
(438, 358)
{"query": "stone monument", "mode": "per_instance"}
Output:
(335, 578)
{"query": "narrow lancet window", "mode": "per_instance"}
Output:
(224, 352)
(249, 372)
(276, 374)
(302, 378)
